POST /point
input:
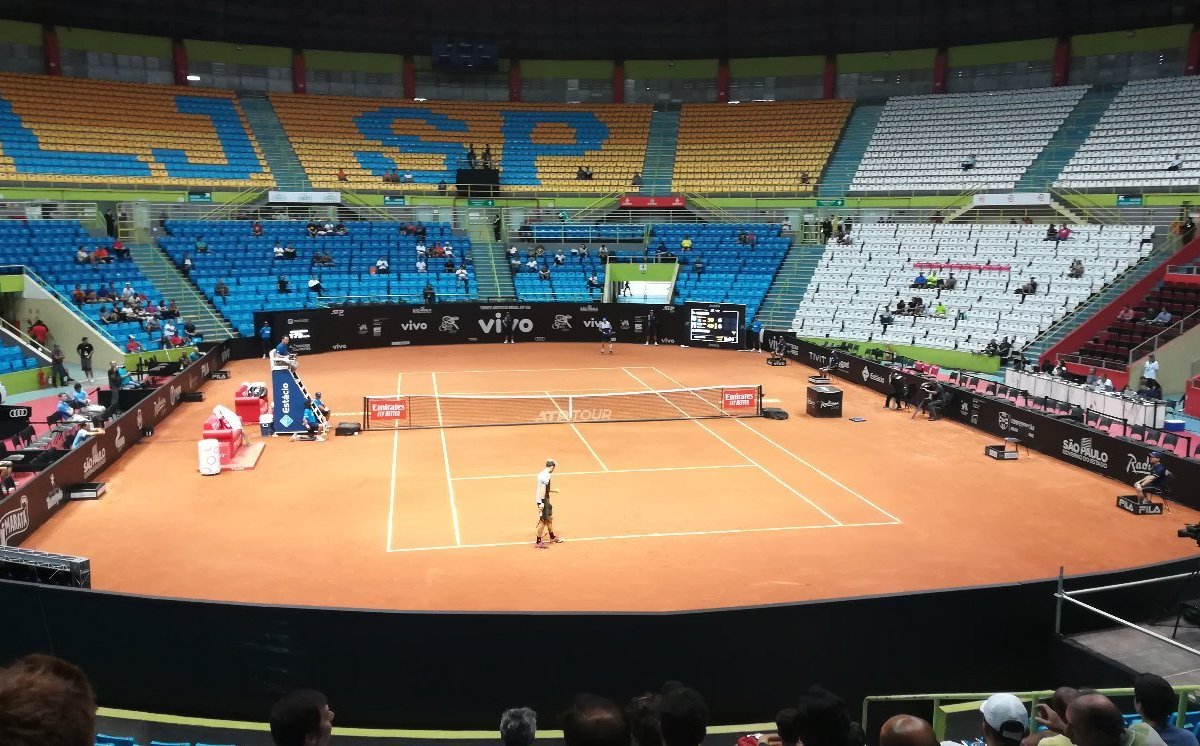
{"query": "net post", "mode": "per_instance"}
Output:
(570, 408)
(759, 408)
(366, 423)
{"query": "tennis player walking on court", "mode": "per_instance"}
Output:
(606, 335)
(545, 509)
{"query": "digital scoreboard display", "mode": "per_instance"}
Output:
(714, 325)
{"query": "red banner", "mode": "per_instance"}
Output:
(963, 267)
(1178, 278)
(387, 412)
(739, 400)
(668, 202)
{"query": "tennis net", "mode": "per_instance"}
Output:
(425, 411)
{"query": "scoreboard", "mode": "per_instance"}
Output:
(715, 324)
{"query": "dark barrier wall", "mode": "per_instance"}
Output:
(36, 501)
(1123, 460)
(360, 327)
(461, 670)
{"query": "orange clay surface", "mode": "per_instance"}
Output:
(656, 516)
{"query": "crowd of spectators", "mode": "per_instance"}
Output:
(48, 701)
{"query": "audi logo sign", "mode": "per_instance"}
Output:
(20, 413)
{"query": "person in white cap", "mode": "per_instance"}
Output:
(1005, 720)
(545, 509)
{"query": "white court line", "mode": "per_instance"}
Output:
(576, 431)
(535, 370)
(796, 457)
(446, 461)
(658, 535)
(395, 468)
(609, 471)
(734, 448)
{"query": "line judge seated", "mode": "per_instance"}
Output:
(282, 356)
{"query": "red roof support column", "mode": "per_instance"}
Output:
(514, 81)
(939, 70)
(829, 89)
(299, 72)
(618, 82)
(1061, 71)
(51, 55)
(179, 59)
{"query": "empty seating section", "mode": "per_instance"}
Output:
(756, 147)
(1147, 125)
(122, 133)
(733, 272)
(48, 248)
(537, 147)
(12, 357)
(921, 142)
(246, 264)
(852, 283)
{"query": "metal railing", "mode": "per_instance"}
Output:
(1175, 329)
(36, 347)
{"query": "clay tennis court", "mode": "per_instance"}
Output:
(664, 515)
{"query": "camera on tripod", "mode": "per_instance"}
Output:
(1190, 531)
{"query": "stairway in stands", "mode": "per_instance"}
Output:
(169, 281)
(285, 166)
(1050, 162)
(491, 271)
(1163, 251)
(839, 171)
(659, 165)
(787, 288)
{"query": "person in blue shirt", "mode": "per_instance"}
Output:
(319, 406)
(64, 408)
(79, 397)
(312, 424)
(1156, 701)
(127, 381)
(1156, 480)
(85, 433)
(264, 338)
(920, 281)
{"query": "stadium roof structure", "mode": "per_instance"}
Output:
(612, 29)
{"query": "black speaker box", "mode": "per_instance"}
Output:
(347, 428)
(772, 413)
(192, 396)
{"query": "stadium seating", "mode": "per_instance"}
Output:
(537, 147)
(12, 358)
(121, 133)
(247, 266)
(852, 283)
(920, 142)
(756, 147)
(1112, 346)
(48, 248)
(1145, 127)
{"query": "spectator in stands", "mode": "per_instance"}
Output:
(919, 281)
(950, 283)
(1059, 702)
(327, 228)
(132, 345)
(109, 315)
(583, 251)
(101, 256)
(1162, 319)
(991, 349)
(189, 332)
(463, 278)
(186, 266)
(256, 229)
(937, 217)
(201, 246)
(441, 186)
(902, 730)
(1005, 350)
(44, 700)
(686, 244)
(1005, 720)
(339, 229)
(1175, 163)
(82, 257)
(1051, 233)
(826, 230)
(805, 178)
(559, 258)
(448, 250)
(968, 163)
(532, 264)
(409, 178)
(282, 284)
(683, 715)
(544, 273)
(120, 250)
(901, 308)
(1126, 314)
(312, 228)
(78, 295)
(301, 718)
(420, 265)
(64, 410)
(593, 282)
(448, 267)
(1188, 231)
(1064, 233)
(277, 251)
(171, 311)
(595, 721)
(341, 175)
(323, 258)
(698, 266)
(644, 714)
(382, 267)
(428, 294)
(514, 265)
(637, 179)
(1093, 720)
(939, 310)
(518, 726)
(1076, 270)
(315, 287)
(39, 331)
(1029, 288)
(885, 318)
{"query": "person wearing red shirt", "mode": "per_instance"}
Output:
(40, 332)
(256, 229)
(119, 250)
(133, 345)
(341, 175)
(101, 255)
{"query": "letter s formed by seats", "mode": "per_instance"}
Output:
(519, 163)
(377, 126)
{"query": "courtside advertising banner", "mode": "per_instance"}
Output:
(740, 400)
(388, 412)
(1117, 458)
(36, 501)
(365, 327)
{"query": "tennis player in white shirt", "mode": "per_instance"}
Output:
(545, 509)
(606, 335)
